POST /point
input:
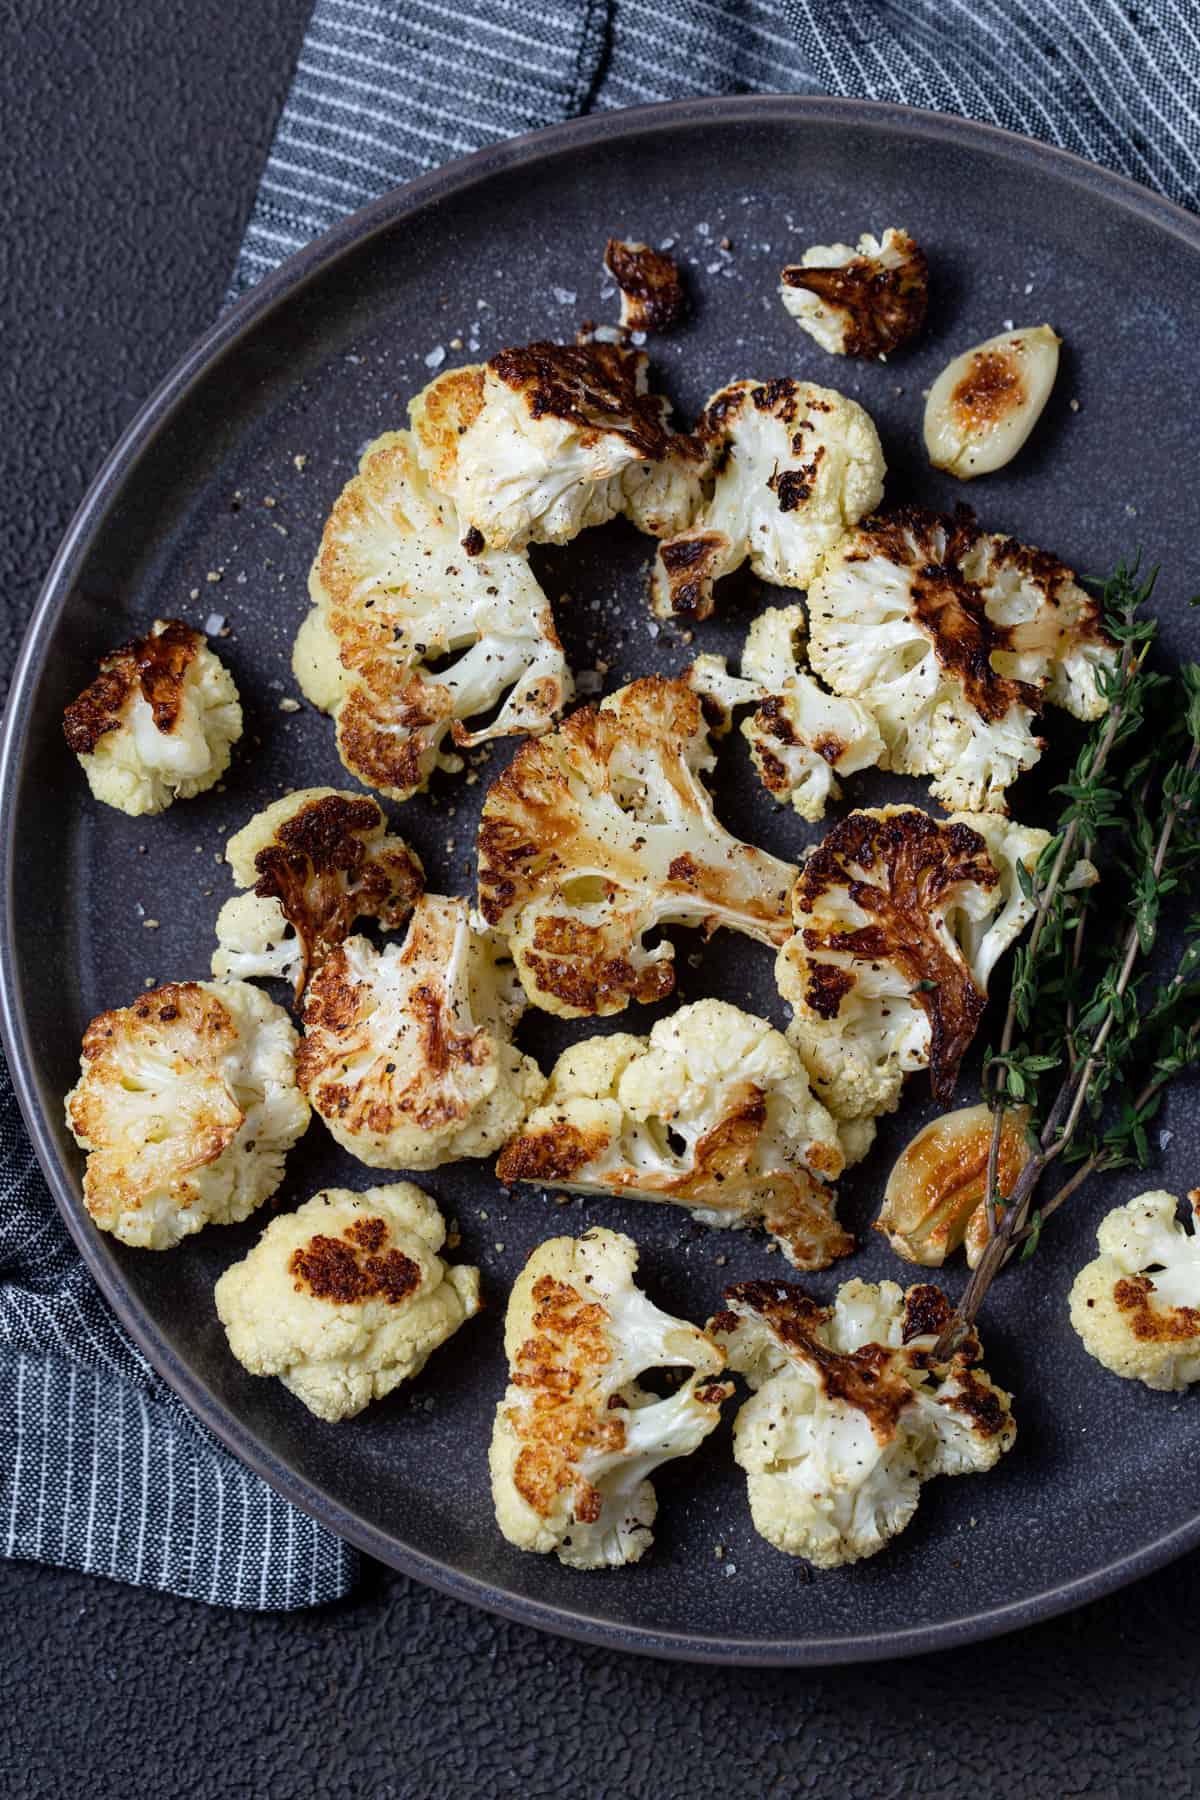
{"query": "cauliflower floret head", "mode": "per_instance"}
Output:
(953, 639)
(652, 296)
(548, 439)
(187, 1105)
(602, 831)
(864, 302)
(850, 1414)
(1137, 1306)
(576, 1437)
(934, 1198)
(347, 1297)
(316, 861)
(158, 723)
(899, 921)
(797, 465)
(407, 1054)
(801, 738)
(713, 1112)
(397, 587)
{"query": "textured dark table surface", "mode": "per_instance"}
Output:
(134, 131)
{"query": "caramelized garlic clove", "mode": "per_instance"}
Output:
(985, 403)
(934, 1195)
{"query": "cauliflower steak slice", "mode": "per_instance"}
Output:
(850, 1413)
(314, 861)
(577, 1437)
(864, 302)
(1137, 1306)
(713, 1111)
(954, 639)
(416, 631)
(603, 831)
(346, 1297)
(158, 723)
(900, 919)
(801, 738)
(187, 1105)
(406, 1053)
(797, 466)
(548, 439)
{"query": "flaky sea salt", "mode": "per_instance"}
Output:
(436, 357)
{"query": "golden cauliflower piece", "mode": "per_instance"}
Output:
(797, 466)
(1137, 1306)
(544, 441)
(347, 1297)
(158, 723)
(314, 861)
(398, 588)
(953, 640)
(713, 1111)
(899, 921)
(406, 1052)
(576, 1437)
(864, 302)
(602, 831)
(187, 1105)
(850, 1414)
(934, 1198)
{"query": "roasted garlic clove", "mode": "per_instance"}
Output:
(986, 402)
(934, 1196)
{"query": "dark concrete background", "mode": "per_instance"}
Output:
(133, 135)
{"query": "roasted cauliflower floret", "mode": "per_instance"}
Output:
(544, 441)
(397, 588)
(713, 1112)
(576, 1437)
(158, 723)
(187, 1105)
(652, 297)
(406, 1052)
(934, 1198)
(900, 919)
(953, 640)
(797, 466)
(347, 1297)
(314, 861)
(864, 302)
(801, 738)
(1137, 1306)
(985, 403)
(850, 1413)
(603, 831)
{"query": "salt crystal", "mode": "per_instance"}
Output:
(1164, 1138)
(213, 624)
(565, 296)
(436, 357)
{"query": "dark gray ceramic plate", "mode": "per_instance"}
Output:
(230, 470)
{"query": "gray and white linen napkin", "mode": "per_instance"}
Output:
(101, 1468)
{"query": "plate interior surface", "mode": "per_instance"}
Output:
(214, 505)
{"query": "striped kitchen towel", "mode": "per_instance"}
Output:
(101, 1468)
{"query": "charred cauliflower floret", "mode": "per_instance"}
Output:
(985, 403)
(158, 723)
(1137, 1306)
(544, 441)
(797, 466)
(347, 1297)
(187, 1105)
(314, 861)
(576, 1437)
(652, 297)
(953, 640)
(934, 1198)
(713, 1112)
(406, 1052)
(801, 738)
(899, 921)
(864, 302)
(603, 831)
(850, 1413)
(397, 589)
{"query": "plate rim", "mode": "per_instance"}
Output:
(236, 322)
